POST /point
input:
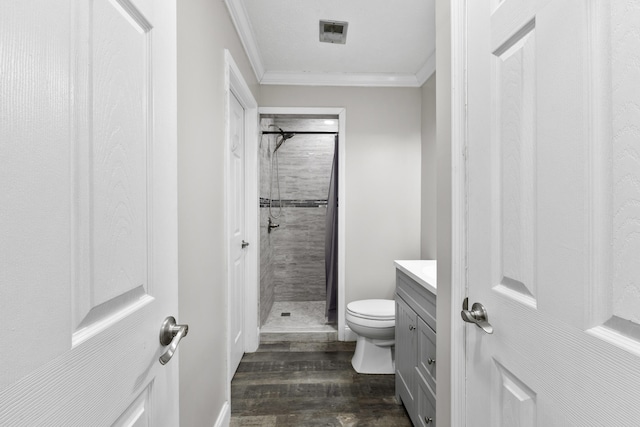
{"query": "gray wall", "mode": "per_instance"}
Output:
(204, 31)
(428, 226)
(383, 139)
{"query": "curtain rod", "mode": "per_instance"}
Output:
(276, 132)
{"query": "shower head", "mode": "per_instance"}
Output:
(283, 137)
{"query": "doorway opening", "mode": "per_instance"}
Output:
(299, 158)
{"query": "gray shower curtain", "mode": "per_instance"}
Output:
(331, 240)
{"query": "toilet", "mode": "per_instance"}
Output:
(374, 321)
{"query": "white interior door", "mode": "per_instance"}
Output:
(88, 212)
(237, 243)
(554, 212)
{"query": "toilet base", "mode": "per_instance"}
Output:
(370, 358)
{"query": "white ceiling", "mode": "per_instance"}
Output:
(389, 43)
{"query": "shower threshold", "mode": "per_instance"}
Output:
(305, 322)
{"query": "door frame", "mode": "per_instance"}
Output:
(236, 85)
(452, 247)
(342, 116)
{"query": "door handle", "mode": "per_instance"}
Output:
(171, 334)
(477, 315)
(244, 244)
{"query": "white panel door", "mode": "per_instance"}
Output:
(88, 212)
(553, 184)
(236, 223)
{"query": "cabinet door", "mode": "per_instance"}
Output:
(427, 353)
(406, 353)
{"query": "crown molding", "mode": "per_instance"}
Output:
(243, 26)
(339, 79)
(427, 70)
(241, 21)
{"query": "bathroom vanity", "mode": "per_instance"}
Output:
(415, 349)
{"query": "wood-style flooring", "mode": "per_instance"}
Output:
(311, 384)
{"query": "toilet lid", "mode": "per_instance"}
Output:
(373, 308)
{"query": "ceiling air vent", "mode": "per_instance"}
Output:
(333, 32)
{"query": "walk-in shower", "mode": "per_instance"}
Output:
(297, 156)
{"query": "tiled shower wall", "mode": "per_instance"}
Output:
(292, 255)
(267, 292)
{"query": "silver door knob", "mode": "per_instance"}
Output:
(477, 315)
(428, 420)
(171, 334)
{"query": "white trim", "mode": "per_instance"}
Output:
(342, 142)
(342, 192)
(427, 70)
(339, 79)
(459, 279)
(349, 335)
(236, 85)
(245, 32)
(224, 416)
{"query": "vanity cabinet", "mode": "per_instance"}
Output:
(416, 350)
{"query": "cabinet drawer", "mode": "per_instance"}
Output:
(426, 406)
(417, 297)
(427, 353)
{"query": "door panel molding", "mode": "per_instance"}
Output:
(613, 164)
(518, 401)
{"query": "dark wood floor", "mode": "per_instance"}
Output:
(311, 384)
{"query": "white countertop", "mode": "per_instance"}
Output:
(425, 272)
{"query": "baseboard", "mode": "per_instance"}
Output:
(224, 417)
(349, 335)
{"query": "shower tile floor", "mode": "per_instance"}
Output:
(306, 322)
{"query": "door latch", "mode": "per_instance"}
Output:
(477, 315)
(171, 334)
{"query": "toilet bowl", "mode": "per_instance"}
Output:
(374, 321)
